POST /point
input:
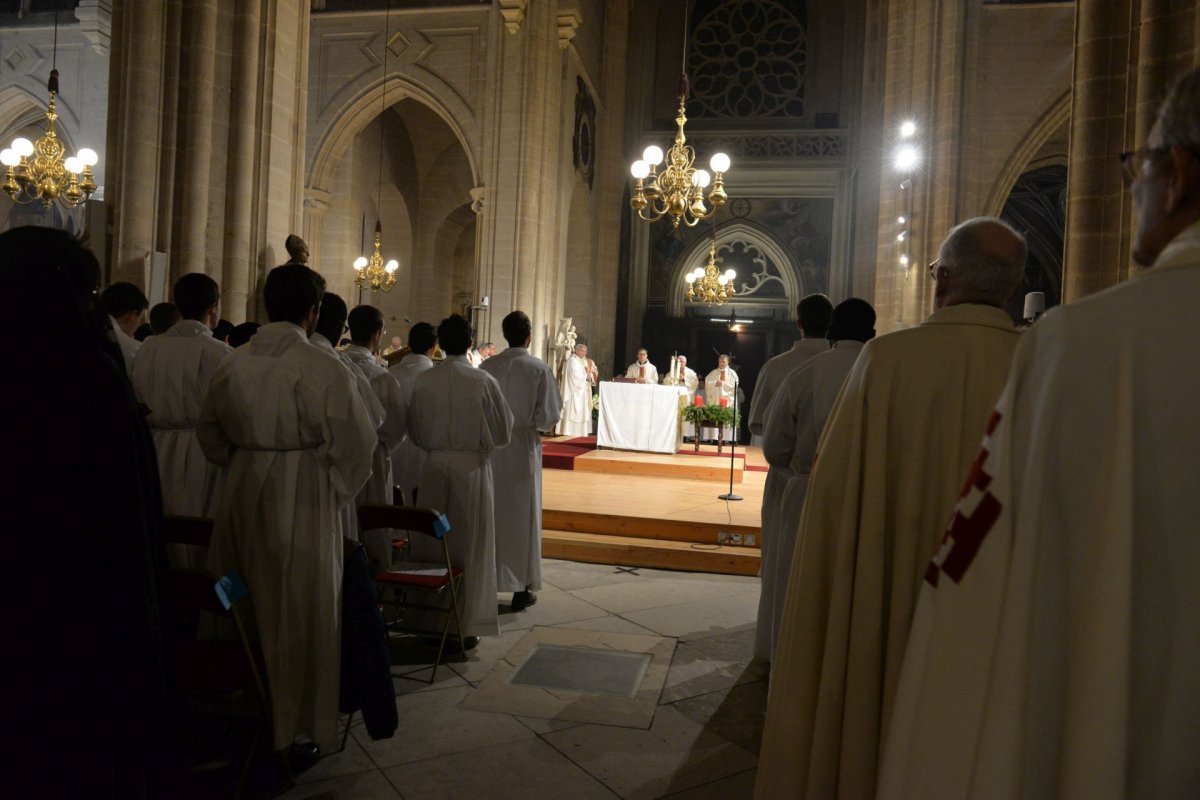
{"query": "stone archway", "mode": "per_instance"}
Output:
(772, 279)
(1053, 120)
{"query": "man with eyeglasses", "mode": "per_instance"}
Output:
(902, 433)
(1055, 648)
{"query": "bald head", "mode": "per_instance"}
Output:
(981, 261)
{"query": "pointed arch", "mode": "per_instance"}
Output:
(696, 255)
(1054, 117)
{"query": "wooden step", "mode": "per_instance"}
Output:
(676, 530)
(659, 554)
(657, 465)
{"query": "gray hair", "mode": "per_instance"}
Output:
(989, 264)
(1178, 120)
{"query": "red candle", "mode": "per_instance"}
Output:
(724, 402)
(699, 400)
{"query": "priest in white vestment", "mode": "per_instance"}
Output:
(330, 326)
(1055, 650)
(459, 415)
(408, 460)
(576, 395)
(890, 462)
(289, 426)
(529, 388)
(813, 313)
(642, 370)
(721, 384)
(171, 377)
(793, 426)
(126, 307)
(366, 333)
(683, 375)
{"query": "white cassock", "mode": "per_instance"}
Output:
(474, 358)
(171, 377)
(408, 460)
(459, 416)
(529, 388)
(375, 411)
(391, 433)
(296, 440)
(771, 376)
(901, 436)
(791, 429)
(686, 377)
(769, 379)
(129, 345)
(576, 399)
(644, 372)
(720, 384)
(1055, 650)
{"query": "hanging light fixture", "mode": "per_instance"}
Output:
(678, 189)
(38, 171)
(372, 272)
(708, 284)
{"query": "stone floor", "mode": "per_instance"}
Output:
(703, 742)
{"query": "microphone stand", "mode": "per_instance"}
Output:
(732, 447)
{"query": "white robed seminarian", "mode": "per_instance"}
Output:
(375, 411)
(296, 440)
(529, 388)
(769, 379)
(171, 376)
(391, 433)
(792, 428)
(902, 433)
(460, 417)
(576, 400)
(1055, 647)
(408, 460)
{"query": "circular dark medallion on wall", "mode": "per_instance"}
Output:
(583, 142)
(740, 207)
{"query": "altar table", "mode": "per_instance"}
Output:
(639, 416)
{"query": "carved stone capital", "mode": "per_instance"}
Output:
(478, 194)
(513, 12)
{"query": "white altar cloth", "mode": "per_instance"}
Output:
(639, 416)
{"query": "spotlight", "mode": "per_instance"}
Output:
(907, 128)
(906, 158)
(904, 260)
(901, 236)
(901, 220)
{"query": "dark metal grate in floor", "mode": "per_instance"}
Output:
(582, 669)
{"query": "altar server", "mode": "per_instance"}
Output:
(409, 460)
(812, 317)
(287, 422)
(721, 383)
(682, 375)
(892, 457)
(459, 415)
(532, 395)
(1054, 651)
(171, 376)
(366, 332)
(642, 370)
(576, 395)
(791, 430)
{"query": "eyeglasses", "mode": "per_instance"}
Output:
(1134, 161)
(934, 267)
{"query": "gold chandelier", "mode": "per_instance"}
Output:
(679, 189)
(706, 284)
(373, 273)
(38, 171)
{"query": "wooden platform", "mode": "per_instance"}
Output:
(623, 462)
(654, 520)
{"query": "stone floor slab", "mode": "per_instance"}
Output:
(688, 621)
(364, 786)
(736, 714)
(735, 787)
(650, 593)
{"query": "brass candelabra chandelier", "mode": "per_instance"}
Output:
(709, 285)
(679, 189)
(38, 171)
(372, 272)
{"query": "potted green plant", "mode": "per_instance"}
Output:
(698, 416)
(722, 417)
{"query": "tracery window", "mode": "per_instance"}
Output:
(747, 60)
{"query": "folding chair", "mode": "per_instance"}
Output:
(208, 671)
(420, 578)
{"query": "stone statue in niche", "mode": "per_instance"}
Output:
(564, 345)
